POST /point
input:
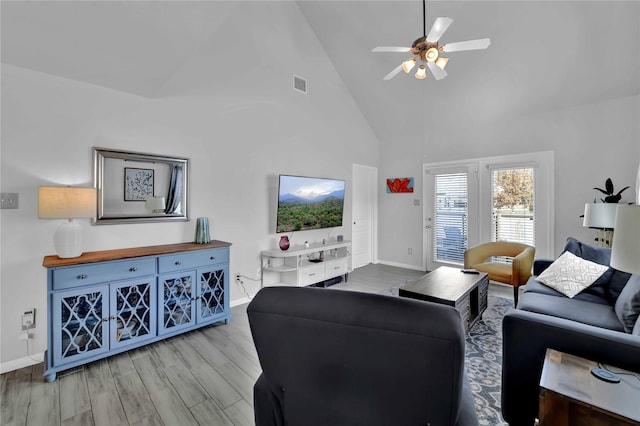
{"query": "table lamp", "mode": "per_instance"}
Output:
(601, 216)
(625, 253)
(65, 202)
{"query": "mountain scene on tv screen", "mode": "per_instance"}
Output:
(298, 214)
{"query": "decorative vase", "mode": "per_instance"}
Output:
(202, 230)
(284, 242)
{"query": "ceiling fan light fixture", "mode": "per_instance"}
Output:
(442, 62)
(408, 65)
(431, 54)
(421, 73)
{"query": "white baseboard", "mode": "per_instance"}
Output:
(238, 302)
(401, 265)
(17, 364)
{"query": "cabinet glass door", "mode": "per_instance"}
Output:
(178, 301)
(80, 323)
(133, 311)
(212, 296)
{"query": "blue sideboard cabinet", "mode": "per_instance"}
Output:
(106, 302)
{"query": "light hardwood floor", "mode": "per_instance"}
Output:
(204, 377)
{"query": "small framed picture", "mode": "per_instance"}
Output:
(138, 184)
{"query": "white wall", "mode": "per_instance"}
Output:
(240, 127)
(590, 142)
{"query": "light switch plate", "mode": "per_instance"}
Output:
(9, 200)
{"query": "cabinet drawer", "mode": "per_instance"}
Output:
(311, 274)
(76, 276)
(191, 260)
(335, 268)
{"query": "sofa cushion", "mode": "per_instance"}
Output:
(497, 271)
(627, 306)
(611, 283)
(570, 274)
(576, 310)
(618, 282)
(535, 286)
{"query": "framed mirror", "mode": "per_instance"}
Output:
(134, 187)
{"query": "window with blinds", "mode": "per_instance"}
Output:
(512, 201)
(450, 222)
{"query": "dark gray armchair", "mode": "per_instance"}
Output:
(332, 357)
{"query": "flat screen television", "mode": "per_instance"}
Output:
(309, 203)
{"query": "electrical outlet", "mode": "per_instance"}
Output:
(29, 319)
(24, 336)
(237, 277)
(9, 200)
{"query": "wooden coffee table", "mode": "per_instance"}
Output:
(449, 286)
(571, 395)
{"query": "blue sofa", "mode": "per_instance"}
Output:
(586, 325)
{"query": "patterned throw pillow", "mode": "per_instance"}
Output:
(570, 274)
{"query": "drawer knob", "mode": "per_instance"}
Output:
(105, 319)
(212, 258)
(133, 269)
(113, 317)
(178, 263)
(312, 274)
(81, 276)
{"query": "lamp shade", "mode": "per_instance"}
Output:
(625, 253)
(155, 204)
(599, 215)
(65, 202)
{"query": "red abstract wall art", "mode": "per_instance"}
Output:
(397, 185)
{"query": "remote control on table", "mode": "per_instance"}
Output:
(469, 271)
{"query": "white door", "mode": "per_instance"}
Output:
(450, 214)
(364, 213)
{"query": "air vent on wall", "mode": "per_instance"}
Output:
(299, 84)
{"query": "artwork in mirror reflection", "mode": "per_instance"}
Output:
(136, 187)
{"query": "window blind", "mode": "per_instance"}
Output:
(450, 223)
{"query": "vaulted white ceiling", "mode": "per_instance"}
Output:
(544, 55)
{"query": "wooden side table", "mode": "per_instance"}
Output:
(571, 395)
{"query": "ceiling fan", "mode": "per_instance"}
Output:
(427, 50)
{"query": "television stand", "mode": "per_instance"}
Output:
(302, 266)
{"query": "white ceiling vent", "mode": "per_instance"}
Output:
(299, 84)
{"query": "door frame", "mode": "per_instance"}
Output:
(471, 169)
(543, 161)
(372, 188)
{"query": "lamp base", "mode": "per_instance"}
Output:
(68, 240)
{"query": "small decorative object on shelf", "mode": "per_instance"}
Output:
(202, 230)
(284, 242)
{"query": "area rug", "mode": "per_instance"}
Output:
(483, 358)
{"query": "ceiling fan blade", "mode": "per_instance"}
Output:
(437, 72)
(439, 27)
(393, 73)
(481, 43)
(391, 49)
